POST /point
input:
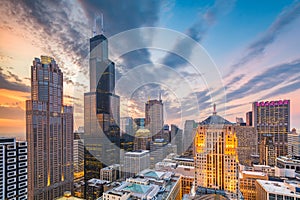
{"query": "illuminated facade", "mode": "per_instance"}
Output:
(272, 122)
(216, 160)
(49, 133)
(101, 112)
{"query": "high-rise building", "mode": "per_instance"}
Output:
(247, 144)
(249, 120)
(138, 123)
(13, 169)
(78, 162)
(154, 117)
(126, 125)
(166, 133)
(272, 122)
(188, 136)
(101, 112)
(142, 139)
(294, 143)
(135, 162)
(49, 133)
(158, 151)
(216, 161)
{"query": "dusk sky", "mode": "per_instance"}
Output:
(255, 46)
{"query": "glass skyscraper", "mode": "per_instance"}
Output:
(49, 133)
(101, 112)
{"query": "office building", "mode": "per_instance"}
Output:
(188, 136)
(111, 173)
(78, 162)
(101, 112)
(247, 144)
(293, 143)
(49, 133)
(249, 120)
(158, 151)
(216, 161)
(154, 118)
(126, 125)
(267, 190)
(166, 133)
(135, 162)
(272, 122)
(247, 181)
(142, 139)
(138, 123)
(13, 169)
(95, 188)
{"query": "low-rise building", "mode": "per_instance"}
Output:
(287, 167)
(247, 181)
(274, 190)
(110, 173)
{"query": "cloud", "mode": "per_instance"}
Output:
(205, 20)
(15, 113)
(272, 77)
(258, 47)
(16, 85)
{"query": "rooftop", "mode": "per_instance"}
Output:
(215, 119)
(287, 188)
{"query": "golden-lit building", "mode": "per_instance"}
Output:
(247, 183)
(216, 159)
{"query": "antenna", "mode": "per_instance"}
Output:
(215, 112)
(97, 18)
(102, 24)
(159, 96)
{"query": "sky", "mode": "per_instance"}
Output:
(197, 53)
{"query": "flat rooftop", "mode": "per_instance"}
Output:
(281, 188)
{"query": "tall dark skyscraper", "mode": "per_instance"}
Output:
(101, 112)
(272, 122)
(49, 133)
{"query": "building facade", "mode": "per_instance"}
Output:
(78, 162)
(247, 144)
(13, 169)
(272, 122)
(101, 112)
(293, 143)
(135, 162)
(188, 136)
(216, 160)
(126, 125)
(249, 119)
(154, 117)
(49, 133)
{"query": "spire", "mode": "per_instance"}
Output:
(215, 112)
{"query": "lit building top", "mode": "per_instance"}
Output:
(272, 103)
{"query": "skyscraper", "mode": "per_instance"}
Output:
(188, 136)
(216, 161)
(272, 122)
(49, 133)
(101, 112)
(249, 120)
(13, 169)
(154, 117)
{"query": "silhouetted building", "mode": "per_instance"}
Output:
(49, 133)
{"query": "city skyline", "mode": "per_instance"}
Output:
(264, 47)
